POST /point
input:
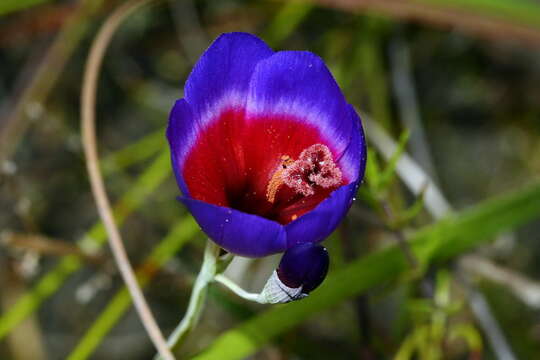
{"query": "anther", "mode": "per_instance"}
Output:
(314, 167)
(277, 178)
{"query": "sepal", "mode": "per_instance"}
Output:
(301, 270)
(276, 292)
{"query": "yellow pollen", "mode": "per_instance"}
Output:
(294, 217)
(277, 180)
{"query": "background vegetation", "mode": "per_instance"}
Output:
(438, 258)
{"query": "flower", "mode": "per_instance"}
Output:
(266, 150)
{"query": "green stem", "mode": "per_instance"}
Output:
(231, 285)
(198, 296)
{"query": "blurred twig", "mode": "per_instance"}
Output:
(88, 106)
(408, 170)
(494, 25)
(44, 245)
(488, 323)
(405, 92)
(523, 288)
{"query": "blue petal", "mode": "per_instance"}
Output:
(221, 76)
(298, 83)
(317, 224)
(238, 232)
(178, 130)
(356, 152)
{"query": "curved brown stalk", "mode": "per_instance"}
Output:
(88, 102)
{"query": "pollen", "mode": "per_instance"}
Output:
(277, 179)
(314, 168)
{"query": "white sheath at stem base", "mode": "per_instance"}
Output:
(274, 292)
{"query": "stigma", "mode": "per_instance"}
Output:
(314, 168)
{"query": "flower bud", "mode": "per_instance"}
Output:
(304, 265)
(302, 269)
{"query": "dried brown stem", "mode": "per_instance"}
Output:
(524, 288)
(88, 102)
(46, 246)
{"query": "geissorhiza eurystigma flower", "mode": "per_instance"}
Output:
(268, 154)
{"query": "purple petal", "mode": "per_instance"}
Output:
(238, 232)
(304, 265)
(180, 127)
(356, 152)
(220, 79)
(298, 83)
(317, 224)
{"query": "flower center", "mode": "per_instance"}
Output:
(314, 167)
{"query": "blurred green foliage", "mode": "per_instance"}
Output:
(479, 106)
(8, 6)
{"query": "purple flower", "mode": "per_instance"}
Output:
(266, 150)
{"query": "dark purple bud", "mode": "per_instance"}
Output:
(304, 265)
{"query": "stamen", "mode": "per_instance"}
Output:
(314, 167)
(277, 179)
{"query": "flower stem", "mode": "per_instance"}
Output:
(198, 297)
(231, 285)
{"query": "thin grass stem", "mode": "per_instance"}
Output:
(88, 105)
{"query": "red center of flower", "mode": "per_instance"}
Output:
(273, 166)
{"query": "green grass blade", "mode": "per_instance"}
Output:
(8, 6)
(134, 153)
(516, 11)
(154, 175)
(120, 303)
(286, 21)
(440, 241)
(46, 286)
